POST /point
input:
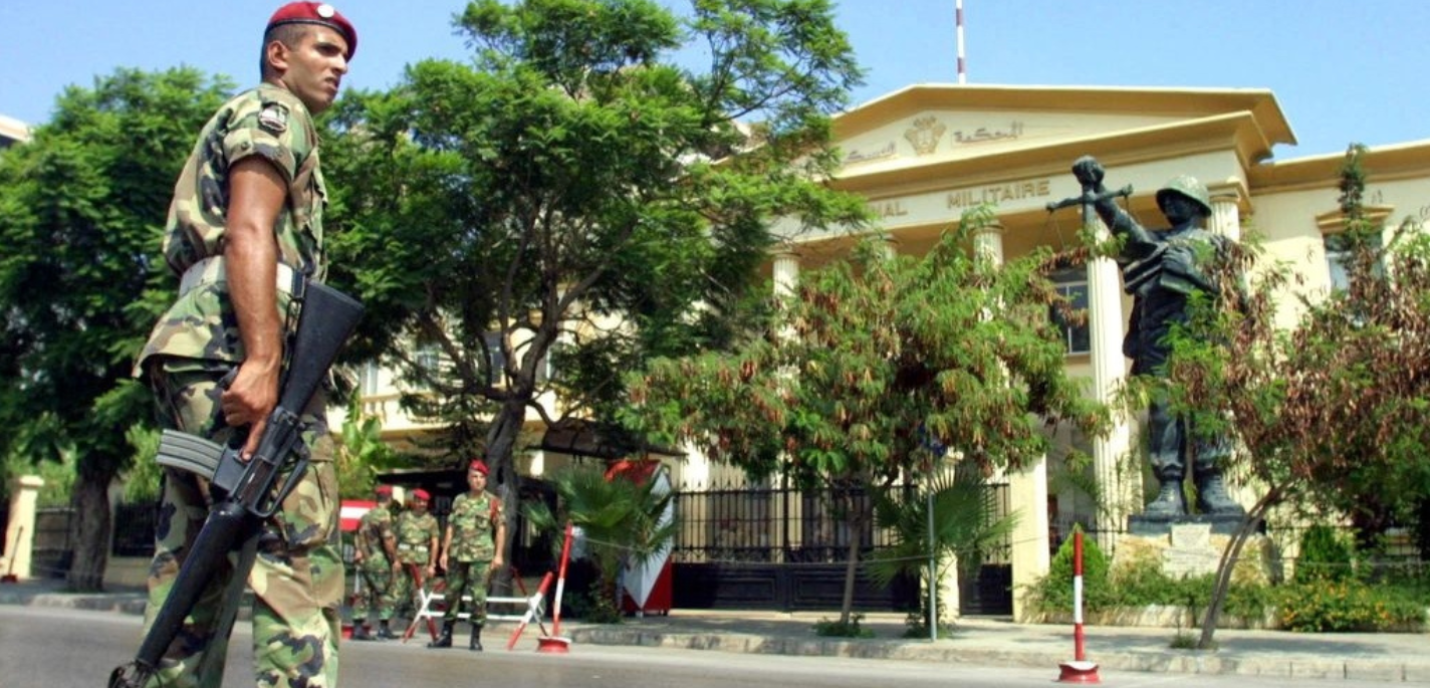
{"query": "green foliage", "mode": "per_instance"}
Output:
(1325, 555)
(81, 205)
(1325, 605)
(621, 521)
(360, 453)
(515, 208)
(1055, 591)
(837, 628)
(871, 359)
(143, 481)
(963, 530)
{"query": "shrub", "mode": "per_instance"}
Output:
(1325, 605)
(1055, 592)
(1325, 555)
(834, 629)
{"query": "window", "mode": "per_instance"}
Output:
(1072, 285)
(497, 358)
(369, 378)
(1338, 257)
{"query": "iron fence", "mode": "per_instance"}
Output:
(781, 525)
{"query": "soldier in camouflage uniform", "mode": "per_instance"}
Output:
(470, 553)
(245, 222)
(376, 560)
(416, 549)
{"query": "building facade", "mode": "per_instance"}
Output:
(925, 154)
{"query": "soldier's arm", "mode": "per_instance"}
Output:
(432, 549)
(257, 194)
(500, 539)
(389, 543)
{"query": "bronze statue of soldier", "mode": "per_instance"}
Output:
(1161, 269)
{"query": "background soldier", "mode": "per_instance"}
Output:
(1161, 270)
(416, 550)
(470, 553)
(376, 559)
(246, 221)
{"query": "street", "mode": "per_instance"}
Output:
(57, 648)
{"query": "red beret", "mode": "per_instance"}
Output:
(384, 489)
(321, 14)
(479, 466)
(422, 494)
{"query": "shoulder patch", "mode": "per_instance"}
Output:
(274, 117)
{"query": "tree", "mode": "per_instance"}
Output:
(81, 206)
(620, 519)
(529, 226)
(1332, 413)
(360, 453)
(873, 359)
(963, 530)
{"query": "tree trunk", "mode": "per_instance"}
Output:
(89, 532)
(501, 445)
(855, 522)
(1227, 566)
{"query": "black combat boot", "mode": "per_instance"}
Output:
(1212, 497)
(1169, 501)
(476, 644)
(384, 632)
(445, 639)
(360, 631)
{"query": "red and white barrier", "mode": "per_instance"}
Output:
(1079, 670)
(555, 643)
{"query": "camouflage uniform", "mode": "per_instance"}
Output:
(373, 529)
(414, 540)
(297, 578)
(473, 520)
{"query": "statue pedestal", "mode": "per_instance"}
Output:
(1190, 546)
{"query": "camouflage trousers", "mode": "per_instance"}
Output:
(404, 590)
(470, 578)
(378, 591)
(297, 574)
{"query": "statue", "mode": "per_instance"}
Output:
(1160, 270)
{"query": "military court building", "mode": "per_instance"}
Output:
(925, 154)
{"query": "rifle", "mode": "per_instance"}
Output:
(246, 492)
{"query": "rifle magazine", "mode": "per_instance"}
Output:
(190, 453)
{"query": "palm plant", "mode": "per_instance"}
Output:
(620, 519)
(964, 527)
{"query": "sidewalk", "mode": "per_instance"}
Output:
(1390, 657)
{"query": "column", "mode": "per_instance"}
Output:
(1121, 494)
(1226, 215)
(20, 533)
(786, 272)
(1027, 488)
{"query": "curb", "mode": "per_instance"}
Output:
(949, 652)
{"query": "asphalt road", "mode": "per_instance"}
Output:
(55, 648)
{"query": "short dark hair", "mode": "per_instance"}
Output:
(289, 35)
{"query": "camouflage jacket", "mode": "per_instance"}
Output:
(473, 521)
(266, 121)
(375, 526)
(414, 537)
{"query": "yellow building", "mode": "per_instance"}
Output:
(924, 154)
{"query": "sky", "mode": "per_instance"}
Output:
(1343, 71)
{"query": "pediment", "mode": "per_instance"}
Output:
(921, 125)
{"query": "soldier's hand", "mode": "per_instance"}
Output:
(1088, 171)
(249, 399)
(497, 563)
(444, 560)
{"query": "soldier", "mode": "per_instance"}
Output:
(245, 224)
(470, 553)
(1161, 270)
(416, 549)
(376, 559)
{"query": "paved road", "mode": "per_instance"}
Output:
(58, 648)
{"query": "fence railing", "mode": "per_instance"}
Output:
(757, 524)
